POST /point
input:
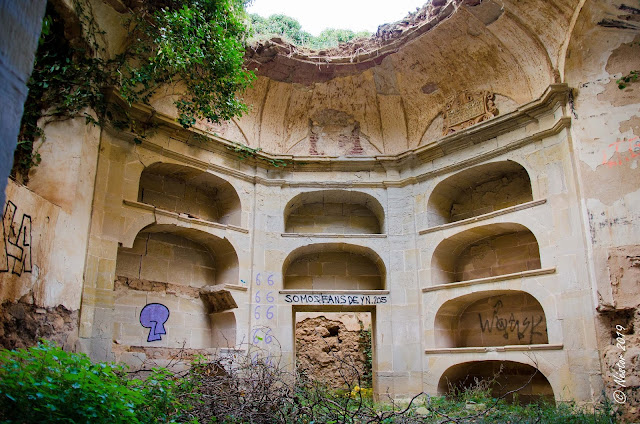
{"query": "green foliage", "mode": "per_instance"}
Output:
(627, 79)
(198, 44)
(290, 30)
(245, 152)
(280, 26)
(44, 384)
(365, 345)
(332, 37)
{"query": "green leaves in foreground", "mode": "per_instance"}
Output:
(44, 384)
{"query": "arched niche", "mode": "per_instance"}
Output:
(334, 266)
(479, 190)
(192, 191)
(170, 265)
(334, 211)
(172, 254)
(507, 376)
(485, 251)
(491, 318)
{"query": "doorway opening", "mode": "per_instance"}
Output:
(335, 348)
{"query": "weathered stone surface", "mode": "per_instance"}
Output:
(217, 298)
(23, 325)
(329, 352)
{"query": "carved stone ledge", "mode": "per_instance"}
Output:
(217, 298)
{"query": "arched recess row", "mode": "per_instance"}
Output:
(507, 376)
(185, 271)
(333, 266)
(192, 191)
(485, 251)
(479, 190)
(334, 211)
(491, 318)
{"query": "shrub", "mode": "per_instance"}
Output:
(44, 384)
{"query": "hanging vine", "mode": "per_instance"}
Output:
(198, 44)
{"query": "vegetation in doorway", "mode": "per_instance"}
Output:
(290, 30)
(365, 345)
(198, 44)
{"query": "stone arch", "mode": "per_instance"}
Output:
(508, 375)
(334, 211)
(478, 190)
(192, 191)
(180, 268)
(171, 246)
(334, 266)
(491, 318)
(485, 251)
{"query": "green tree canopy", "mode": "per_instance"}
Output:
(290, 30)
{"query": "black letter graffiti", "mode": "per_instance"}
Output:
(511, 325)
(17, 242)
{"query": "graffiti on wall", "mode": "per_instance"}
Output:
(511, 325)
(16, 255)
(153, 316)
(264, 314)
(633, 152)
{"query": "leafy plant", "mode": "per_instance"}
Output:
(44, 384)
(627, 79)
(245, 152)
(198, 44)
(365, 345)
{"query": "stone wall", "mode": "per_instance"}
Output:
(509, 190)
(167, 258)
(174, 195)
(502, 320)
(333, 271)
(330, 349)
(338, 218)
(605, 130)
(189, 191)
(498, 255)
(583, 217)
(188, 324)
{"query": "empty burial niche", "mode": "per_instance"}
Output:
(486, 251)
(479, 190)
(334, 211)
(171, 266)
(190, 191)
(335, 348)
(333, 266)
(491, 319)
(500, 377)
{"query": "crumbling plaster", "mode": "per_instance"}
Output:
(369, 126)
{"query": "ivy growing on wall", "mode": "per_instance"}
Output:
(196, 44)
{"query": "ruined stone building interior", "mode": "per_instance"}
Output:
(466, 185)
